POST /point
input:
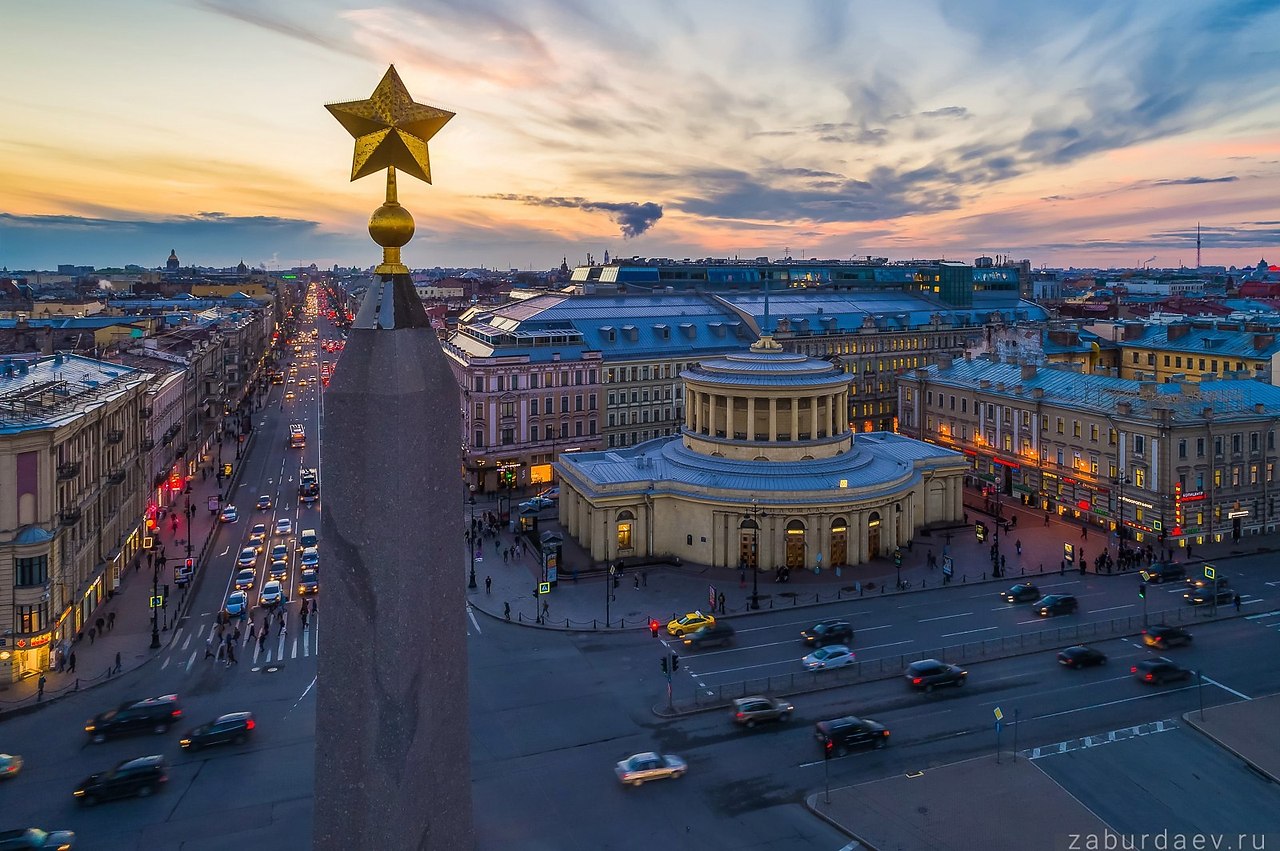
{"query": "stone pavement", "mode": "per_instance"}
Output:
(130, 637)
(1247, 729)
(949, 808)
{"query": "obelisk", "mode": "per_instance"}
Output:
(393, 764)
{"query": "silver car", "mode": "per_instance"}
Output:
(643, 767)
(831, 656)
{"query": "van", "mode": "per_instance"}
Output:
(308, 538)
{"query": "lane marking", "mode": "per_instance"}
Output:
(1113, 608)
(968, 631)
(192, 660)
(471, 614)
(1099, 739)
(1225, 688)
(945, 617)
(166, 663)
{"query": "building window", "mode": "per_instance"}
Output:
(1253, 474)
(1217, 477)
(533, 433)
(31, 571)
(533, 406)
(1235, 476)
(1217, 446)
(1093, 433)
(533, 381)
(591, 401)
(1182, 448)
(1199, 447)
(1060, 426)
(624, 530)
(577, 428)
(479, 410)
(508, 409)
(31, 618)
(564, 430)
(547, 406)
(508, 436)
(478, 443)
(592, 429)
(1253, 441)
(1139, 444)
(564, 404)
(479, 383)
(1075, 428)
(577, 402)
(1139, 477)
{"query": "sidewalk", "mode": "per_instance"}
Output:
(131, 635)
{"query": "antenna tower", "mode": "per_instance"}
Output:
(1197, 246)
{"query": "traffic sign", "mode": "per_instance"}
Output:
(544, 588)
(999, 714)
(147, 542)
(157, 602)
(1210, 572)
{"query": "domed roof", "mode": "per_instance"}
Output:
(242, 269)
(33, 535)
(766, 366)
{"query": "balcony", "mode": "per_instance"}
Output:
(69, 470)
(116, 477)
(115, 435)
(147, 444)
(69, 516)
(145, 413)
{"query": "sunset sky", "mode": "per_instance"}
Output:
(1081, 133)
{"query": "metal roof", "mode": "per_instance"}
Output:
(49, 391)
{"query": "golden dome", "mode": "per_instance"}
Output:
(391, 226)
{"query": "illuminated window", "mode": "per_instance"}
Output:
(1217, 478)
(624, 530)
(1140, 477)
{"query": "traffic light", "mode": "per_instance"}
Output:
(827, 749)
(653, 627)
(166, 590)
(664, 664)
(1142, 590)
(897, 558)
(675, 663)
(980, 530)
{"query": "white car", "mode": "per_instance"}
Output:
(271, 594)
(643, 767)
(284, 526)
(831, 656)
(259, 533)
(248, 557)
(536, 503)
(280, 552)
(229, 514)
(237, 602)
(245, 578)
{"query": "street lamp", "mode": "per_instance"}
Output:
(155, 589)
(471, 582)
(755, 554)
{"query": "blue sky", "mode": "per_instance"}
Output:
(1085, 133)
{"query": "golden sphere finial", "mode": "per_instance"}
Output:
(391, 226)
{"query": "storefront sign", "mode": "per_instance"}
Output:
(1240, 512)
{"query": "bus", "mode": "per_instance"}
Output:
(297, 436)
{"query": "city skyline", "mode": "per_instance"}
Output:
(1098, 136)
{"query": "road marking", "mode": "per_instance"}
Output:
(1099, 739)
(1271, 613)
(1113, 608)
(192, 660)
(294, 654)
(1109, 703)
(471, 614)
(224, 552)
(166, 663)
(968, 631)
(945, 617)
(1225, 688)
(187, 643)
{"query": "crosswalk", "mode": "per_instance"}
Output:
(1101, 739)
(1267, 620)
(298, 643)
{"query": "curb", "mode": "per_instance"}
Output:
(1186, 716)
(810, 804)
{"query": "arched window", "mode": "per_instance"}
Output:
(624, 524)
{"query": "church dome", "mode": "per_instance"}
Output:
(242, 269)
(172, 263)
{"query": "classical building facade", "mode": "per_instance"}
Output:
(765, 472)
(1173, 462)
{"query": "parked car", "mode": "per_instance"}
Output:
(10, 765)
(750, 711)
(717, 634)
(828, 632)
(141, 777)
(643, 767)
(245, 578)
(33, 837)
(536, 503)
(264, 502)
(1162, 636)
(1023, 592)
(229, 514)
(1081, 656)
(309, 583)
(927, 674)
(841, 735)
(151, 715)
(234, 728)
(1159, 671)
(1162, 572)
(237, 601)
(1206, 594)
(1056, 604)
(688, 623)
(831, 656)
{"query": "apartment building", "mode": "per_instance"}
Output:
(1193, 350)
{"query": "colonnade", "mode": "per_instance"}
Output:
(766, 419)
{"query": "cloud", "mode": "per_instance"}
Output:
(946, 112)
(633, 218)
(1193, 181)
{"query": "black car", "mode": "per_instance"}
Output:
(234, 727)
(1206, 594)
(1023, 592)
(928, 673)
(1201, 582)
(841, 735)
(828, 632)
(713, 635)
(1162, 636)
(140, 777)
(1165, 571)
(1056, 604)
(749, 711)
(1159, 671)
(34, 837)
(1081, 656)
(153, 714)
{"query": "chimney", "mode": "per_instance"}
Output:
(1263, 341)
(1147, 390)
(1037, 392)
(1028, 371)
(1125, 408)
(1133, 330)
(1178, 330)
(1259, 408)
(984, 383)
(945, 361)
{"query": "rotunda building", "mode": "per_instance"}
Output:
(765, 473)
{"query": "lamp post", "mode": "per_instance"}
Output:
(471, 582)
(755, 554)
(155, 589)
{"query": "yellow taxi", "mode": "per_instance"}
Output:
(689, 622)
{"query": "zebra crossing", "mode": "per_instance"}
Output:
(299, 643)
(1267, 620)
(1099, 739)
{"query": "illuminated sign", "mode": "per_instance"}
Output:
(1136, 502)
(1240, 512)
(1190, 496)
(1003, 463)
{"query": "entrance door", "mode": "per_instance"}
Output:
(795, 545)
(839, 543)
(746, 548)
(873, 535)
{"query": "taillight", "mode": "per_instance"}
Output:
(1150, 677)
(740, 715)
(916, 681)
(1134, 669)
(177, 713)
(829, 745)
(248, 725)
(884, 733)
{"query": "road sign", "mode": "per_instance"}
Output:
(157, 602)
(1069, 552)
(544, 588)
(948, 566)
(998, 713)
(147, 542)
(1210, 572)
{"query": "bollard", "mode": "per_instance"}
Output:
(924, 583)
(984, 575)
(1023, 572)
(881, 587)
(964, 577)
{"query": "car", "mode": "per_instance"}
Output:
(643, 767)
(1162, 636)
(1023, 592)
(750, 711)
(831, 656)
(1159, 671)
(841, 735)
(310, 558)
(229, 514)
(234, 727)
(151, 714)
(284, 526)
(536, 503)
(552, 494)
(278, 570)
(33, 837)
(309, 583)
(246, 578)
(248, 557)
(289, 397)
(264, 502)
(272, 593)
(1081, 656)
(927, 674)
(280, 552)
(1206, 594)
(1201, 582)
(1162, 572)
(141, 777)
(688, 623)
(309, 539)
(10, 765)
(258, 533)
(302, 382)
(717, 634)
(828, 632)
(1056, 604)
(237, 602)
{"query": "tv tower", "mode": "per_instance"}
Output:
(1197, 246)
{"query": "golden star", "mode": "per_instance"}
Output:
(391, 131)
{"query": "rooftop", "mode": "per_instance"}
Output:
(49, 391)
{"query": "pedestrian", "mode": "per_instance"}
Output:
(636, 578)
(71, 662)
(504, 557)
(545, 606)
(506, 611)
(644, 578)
(1018, 546)
(118, 665)
(266, 626)
(235, 636)
(302, 619)
(1188, 552)
(488, 584)
(40, 688)
(1236, 600)
(1014, 521)
(231, 655)
(1046, 520)
(284, 623)
(721, 602)
(111, 620)
(91, 634)
(253, 629)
